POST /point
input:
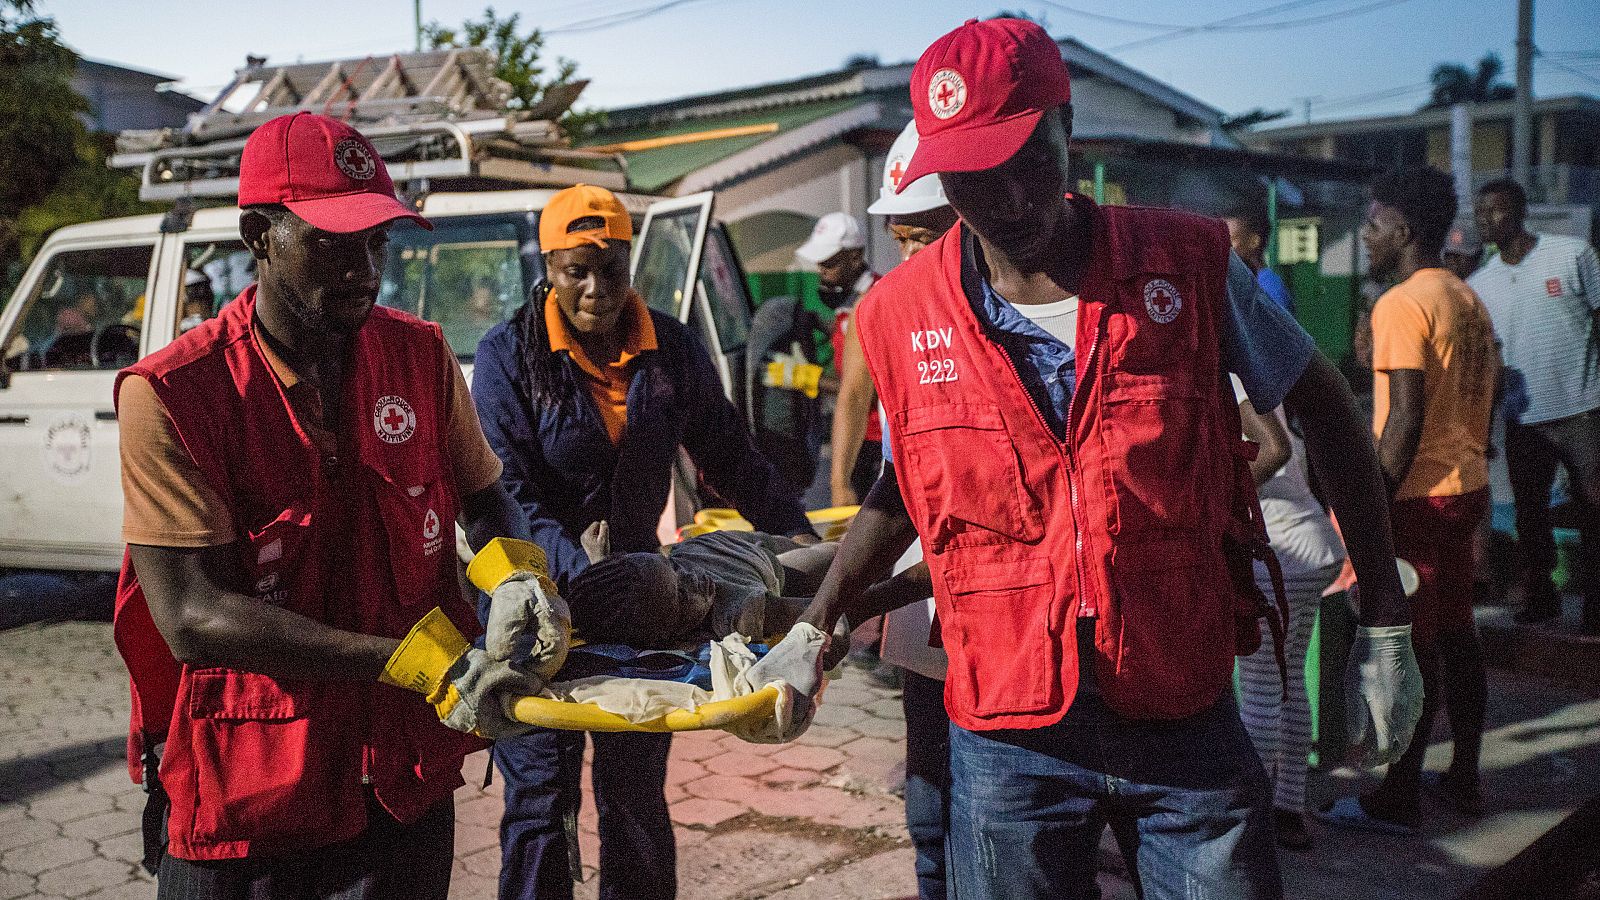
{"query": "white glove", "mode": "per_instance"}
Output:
(1382, 694)
(486, 688)
(529, 625)
(794, 664)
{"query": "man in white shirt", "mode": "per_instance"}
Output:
(1543, 294)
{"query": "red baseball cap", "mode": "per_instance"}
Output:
(323, 170)
(978, 93)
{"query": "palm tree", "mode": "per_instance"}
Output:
(1454, 83)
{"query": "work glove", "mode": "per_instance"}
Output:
(529, 625)
(793, 371)
(1382, 694)
(471, 691)
(794, 664)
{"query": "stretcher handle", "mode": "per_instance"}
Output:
(721, 714)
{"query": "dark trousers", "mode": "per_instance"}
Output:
(387, 860)
(1532, 454)
(927, 779)
(538, 834)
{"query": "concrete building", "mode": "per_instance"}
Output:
(1566, 144)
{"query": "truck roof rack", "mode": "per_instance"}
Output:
(439, 119)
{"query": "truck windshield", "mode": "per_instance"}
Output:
(469, 274)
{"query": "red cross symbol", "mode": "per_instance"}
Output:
(394, 419)
(896, 172)
(946, 94)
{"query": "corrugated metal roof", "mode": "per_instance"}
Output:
(655, 169)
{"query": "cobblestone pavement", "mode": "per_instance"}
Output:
(819, 819)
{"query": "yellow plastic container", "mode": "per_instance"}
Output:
(548, 713)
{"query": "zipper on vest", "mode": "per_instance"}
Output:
(1066, 457)
(1072, 483)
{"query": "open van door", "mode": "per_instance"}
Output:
(685, 266)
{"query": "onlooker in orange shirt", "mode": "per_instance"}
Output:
(1434, 369)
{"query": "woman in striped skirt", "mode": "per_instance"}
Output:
(1311, 554)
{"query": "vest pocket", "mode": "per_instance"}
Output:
(420, 522)
(265, 769)
(1171, 627)
(1150, 428)
(272, 557)
(961, 458)
(1002, 657)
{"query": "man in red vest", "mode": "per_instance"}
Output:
(1066, 446)
(294, 469)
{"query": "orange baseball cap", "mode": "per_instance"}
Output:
(583, 201)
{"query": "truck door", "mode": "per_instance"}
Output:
(78, 316)
(667, 256)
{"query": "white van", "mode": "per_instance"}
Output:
(100, 296)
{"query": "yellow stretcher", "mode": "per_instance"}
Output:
(737, 714)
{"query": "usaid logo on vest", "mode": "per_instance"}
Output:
(393, 419)
(1162, 301)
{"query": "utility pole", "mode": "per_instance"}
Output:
(1522, 110)
(416, 19)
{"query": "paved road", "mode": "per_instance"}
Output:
(819, 819)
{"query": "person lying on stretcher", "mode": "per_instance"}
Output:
(708, 587)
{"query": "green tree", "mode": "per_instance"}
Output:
(1454, 83)
(40, 132)
(521, 63)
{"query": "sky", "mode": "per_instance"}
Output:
(1353, 58)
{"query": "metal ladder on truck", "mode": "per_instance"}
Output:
(434, 116)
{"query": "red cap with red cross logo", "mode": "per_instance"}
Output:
(323, 170)
(978, 93)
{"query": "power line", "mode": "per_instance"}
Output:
(1132, 23)
(1228, 24)
(619, 18)
(1568, 69)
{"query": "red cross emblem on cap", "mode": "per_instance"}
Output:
(896, 172)
(354, 159)
(947, 93)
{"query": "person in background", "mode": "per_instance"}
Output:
(914, 219)
(837, 247)
(1248, 228)
(1434, 371)
(586, 395)
(1463, 252)
(1543, 293)
(198, 300)
(1311, 554)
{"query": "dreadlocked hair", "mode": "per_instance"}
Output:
(546, 377)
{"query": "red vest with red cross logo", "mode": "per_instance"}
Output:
(362, 540)
(1128, 516)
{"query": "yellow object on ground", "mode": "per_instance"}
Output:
(501, 558)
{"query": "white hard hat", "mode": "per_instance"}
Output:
(834, 232)
(919, 196)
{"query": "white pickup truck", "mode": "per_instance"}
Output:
(101, 295)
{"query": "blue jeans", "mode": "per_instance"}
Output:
(541, 771)
(927, 779)
(1189, 797)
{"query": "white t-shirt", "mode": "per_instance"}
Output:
(1541, 313)
(1297, 526)
(1058, 319)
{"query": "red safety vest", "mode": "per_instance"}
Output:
(1127, 516)
(842, 323)
(363, 541)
